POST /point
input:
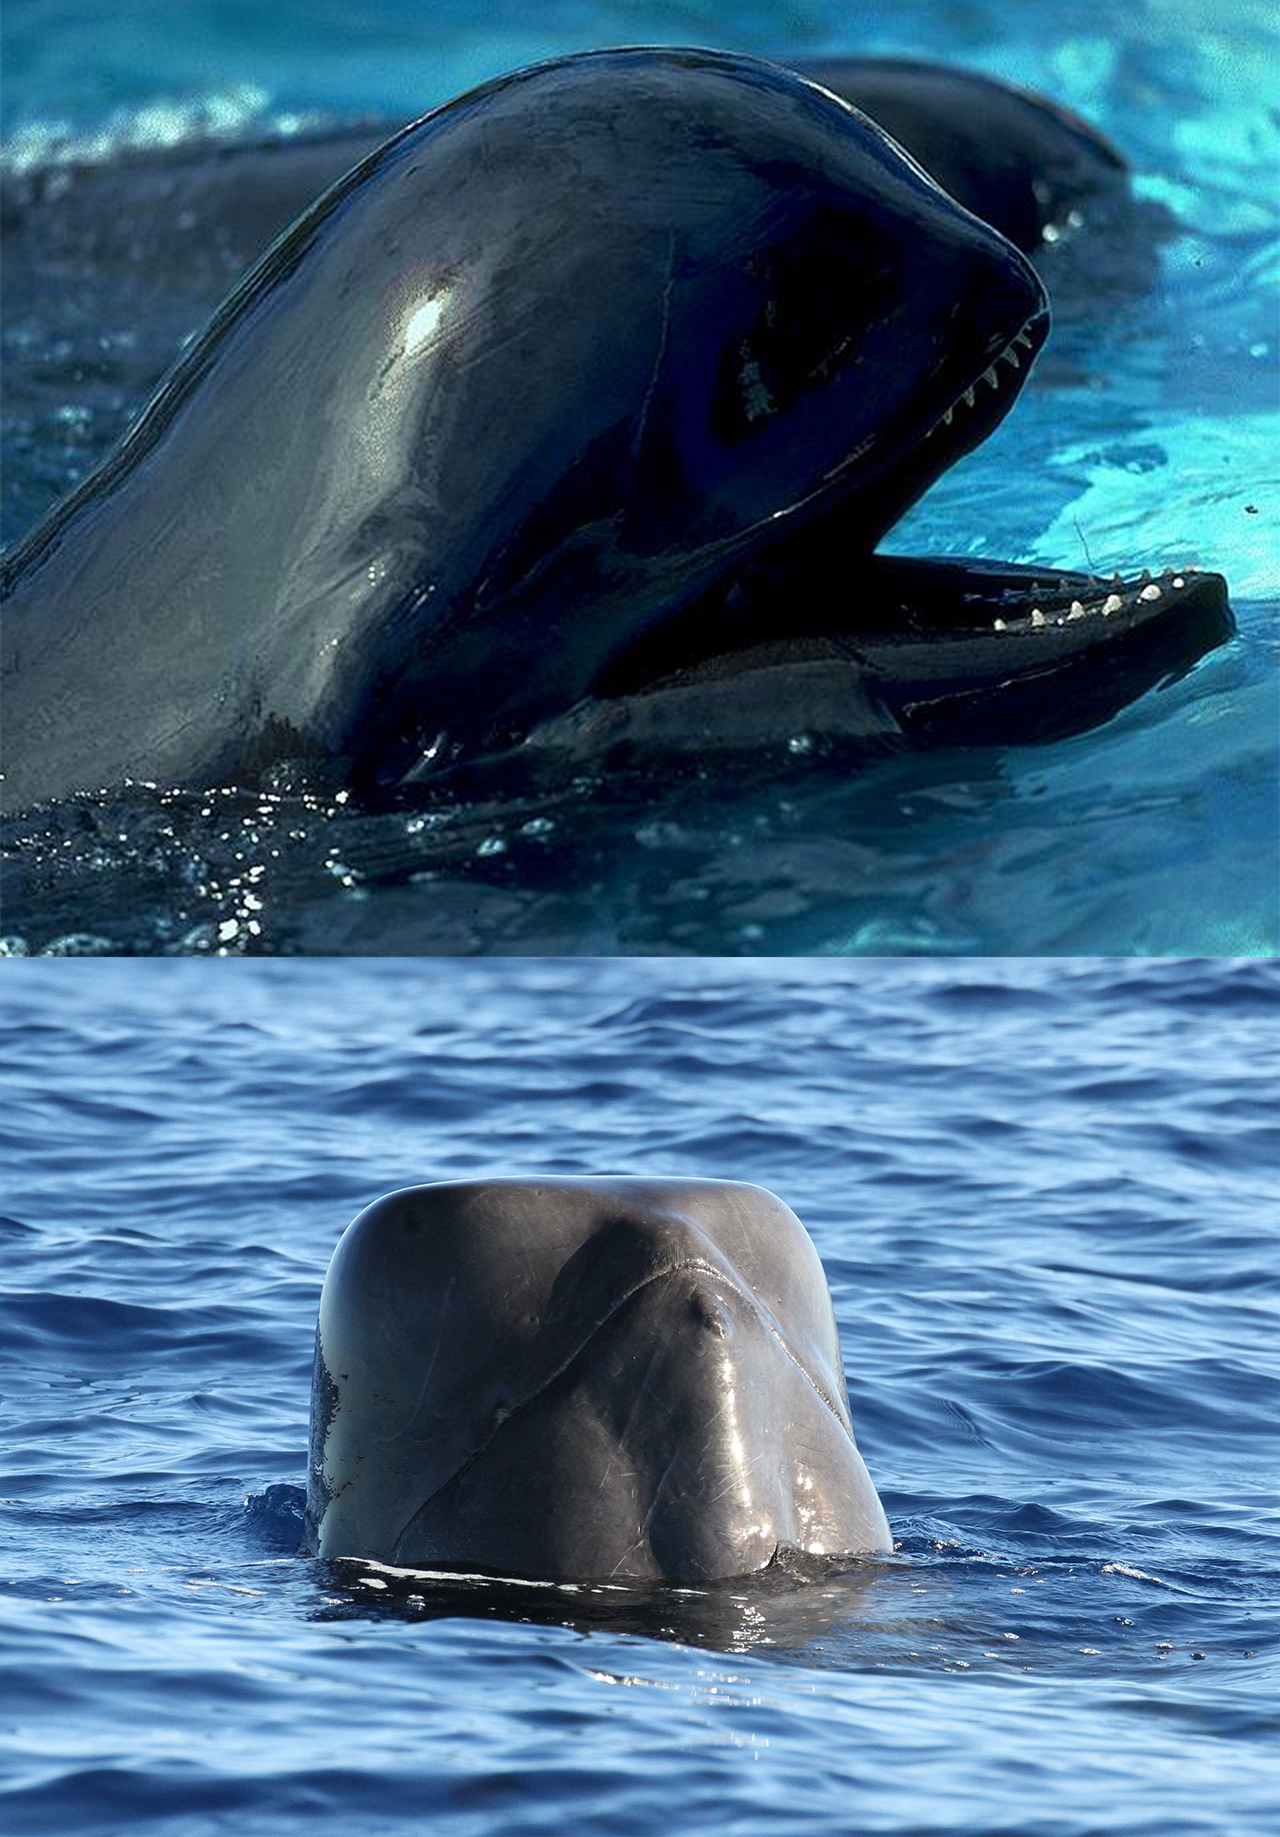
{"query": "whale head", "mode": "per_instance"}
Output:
(589, 1378)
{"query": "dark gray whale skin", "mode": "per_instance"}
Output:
(541, 371)
(413, 504)
(615, 1378)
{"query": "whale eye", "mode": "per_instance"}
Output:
(816, 297)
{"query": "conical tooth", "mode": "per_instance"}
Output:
(989, 376)
(999, 625)
(1024, 337)
(1178, 581)
(946, 419)
(1037, 618)
(1150, 592)
(968, 398)
(1077, 610)
(1011, 357)
(1117, 581)
(1111, 604)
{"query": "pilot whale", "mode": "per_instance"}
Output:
(581, 1378)
(545, 434)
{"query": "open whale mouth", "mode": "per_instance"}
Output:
(954, 651)
(820, 643)
(903, 654)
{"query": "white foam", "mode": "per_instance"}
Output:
(222, 115)
(1139, 1575)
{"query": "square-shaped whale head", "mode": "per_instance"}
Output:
(583, 1378)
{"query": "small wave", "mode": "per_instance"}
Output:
(1222, 987)
(275, 1515)
(92, 1327)
(991, 996)
(1132, 1570)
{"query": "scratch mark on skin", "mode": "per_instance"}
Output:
(630, 1551)
(396, 1434)
(668, 288)
(639, 1397)
(657, 1494)
(735, 1479)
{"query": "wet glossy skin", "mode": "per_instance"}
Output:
(583, 1378)
(541, 371)
(1018, 160)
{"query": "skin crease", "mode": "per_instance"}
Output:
(629, 1378)
(391, 595)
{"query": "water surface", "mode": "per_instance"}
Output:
(1045, 1198)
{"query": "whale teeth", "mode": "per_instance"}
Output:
(1010, 356)
(968, 398)
(1178, 581)
(1077, 610)
(1111, 604)
(1037, 618)
(1023, 337)
(1151, 592)
(989, 376)
(946, 419)
(999, 625)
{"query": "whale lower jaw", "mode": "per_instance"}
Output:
(1027, 655)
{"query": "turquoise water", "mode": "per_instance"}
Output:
(1045, 1198)
(1147, 439)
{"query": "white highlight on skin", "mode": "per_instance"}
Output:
(423, 320)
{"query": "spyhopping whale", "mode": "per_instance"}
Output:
(623, 1378)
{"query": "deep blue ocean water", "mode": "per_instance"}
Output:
(1147, 439)
(1045, 1196)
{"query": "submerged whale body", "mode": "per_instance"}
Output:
(583, 1378)
(187, 219)
(548, 428)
